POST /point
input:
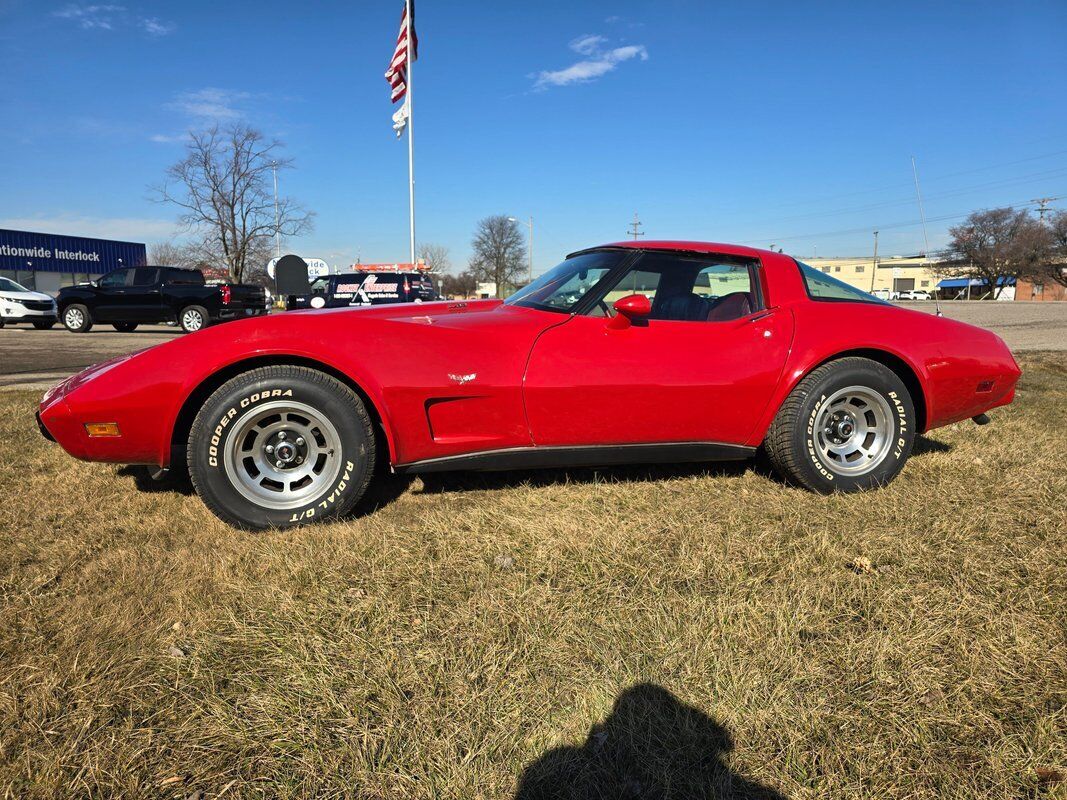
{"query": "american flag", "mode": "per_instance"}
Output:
(397, 74)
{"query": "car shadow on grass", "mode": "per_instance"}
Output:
(652, 745)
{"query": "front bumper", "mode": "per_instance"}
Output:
(13, 314)
(43, 429)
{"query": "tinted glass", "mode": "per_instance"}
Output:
(145, 276)
(562, 287)
(116, 278)
(823, 287)
(186, 276)
(7, 285)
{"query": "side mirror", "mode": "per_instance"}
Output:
(631, 309)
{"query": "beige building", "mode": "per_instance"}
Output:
(893, 273)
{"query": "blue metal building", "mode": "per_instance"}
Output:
(46, 261)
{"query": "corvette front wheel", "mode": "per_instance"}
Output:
(281, 446)
(846, 427)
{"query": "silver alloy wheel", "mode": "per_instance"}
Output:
(73, 318)
(854, 431)
(192, 320)
(282, 455)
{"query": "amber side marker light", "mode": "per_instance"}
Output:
(102, 429)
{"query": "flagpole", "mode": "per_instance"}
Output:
(411, 130)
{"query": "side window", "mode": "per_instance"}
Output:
(686, 288)
(145, 276)
(823, 287)
(116, 278)
(636, 281)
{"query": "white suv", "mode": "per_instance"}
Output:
(19, 304)
(915, 294)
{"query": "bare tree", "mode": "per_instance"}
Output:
(169, 254)
(1055, 267)
(462, 285)
(499, 253)
(996, 245)
(224, 187)
(435, 256)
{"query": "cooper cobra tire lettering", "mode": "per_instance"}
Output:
(213, 448)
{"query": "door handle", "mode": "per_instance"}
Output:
(763, 315)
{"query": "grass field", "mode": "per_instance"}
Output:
(679, 632)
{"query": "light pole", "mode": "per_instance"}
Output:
(874, 264)
(277, 223)
(530, 225)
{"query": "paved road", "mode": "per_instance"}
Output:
(32, 359)
(1024, 326)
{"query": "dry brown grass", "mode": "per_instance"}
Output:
(446, 642)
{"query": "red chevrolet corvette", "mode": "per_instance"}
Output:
(626, 353)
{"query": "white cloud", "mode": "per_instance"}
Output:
(587, 44)
(129, 229)
(104, 17)
(111, 17)
(210, 104)
(155, 27)
(163, 138)
(600, 62)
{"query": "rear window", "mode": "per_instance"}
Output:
(822, 287)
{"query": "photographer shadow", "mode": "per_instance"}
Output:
(652, 745)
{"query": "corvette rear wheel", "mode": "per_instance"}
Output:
(281, 446)
(846, 427)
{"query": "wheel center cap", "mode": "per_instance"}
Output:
(285, 452)
(845, 427)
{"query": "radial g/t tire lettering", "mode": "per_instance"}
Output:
(848, 426)
(281, 446)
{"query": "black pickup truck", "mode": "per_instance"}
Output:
(131, 296)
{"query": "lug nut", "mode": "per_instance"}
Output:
(269, 448)
(300, 460)
(300, 440)
(281, 435)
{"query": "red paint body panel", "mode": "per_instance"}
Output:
(453, 378)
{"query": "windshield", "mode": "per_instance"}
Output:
(562, 287)
(8, 285)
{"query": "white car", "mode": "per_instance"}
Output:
(19, 304)
(915, 294)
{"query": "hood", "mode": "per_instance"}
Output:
(25, 296)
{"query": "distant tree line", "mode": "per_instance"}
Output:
(999, 245)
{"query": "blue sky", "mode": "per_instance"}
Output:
(759, 122)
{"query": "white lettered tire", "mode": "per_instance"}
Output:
(846, 427)
(281, 446)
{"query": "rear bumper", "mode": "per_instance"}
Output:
(227, 314)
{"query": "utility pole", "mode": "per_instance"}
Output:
(874, 265)
(1042, 205)
(277, 219)
(634, 232)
